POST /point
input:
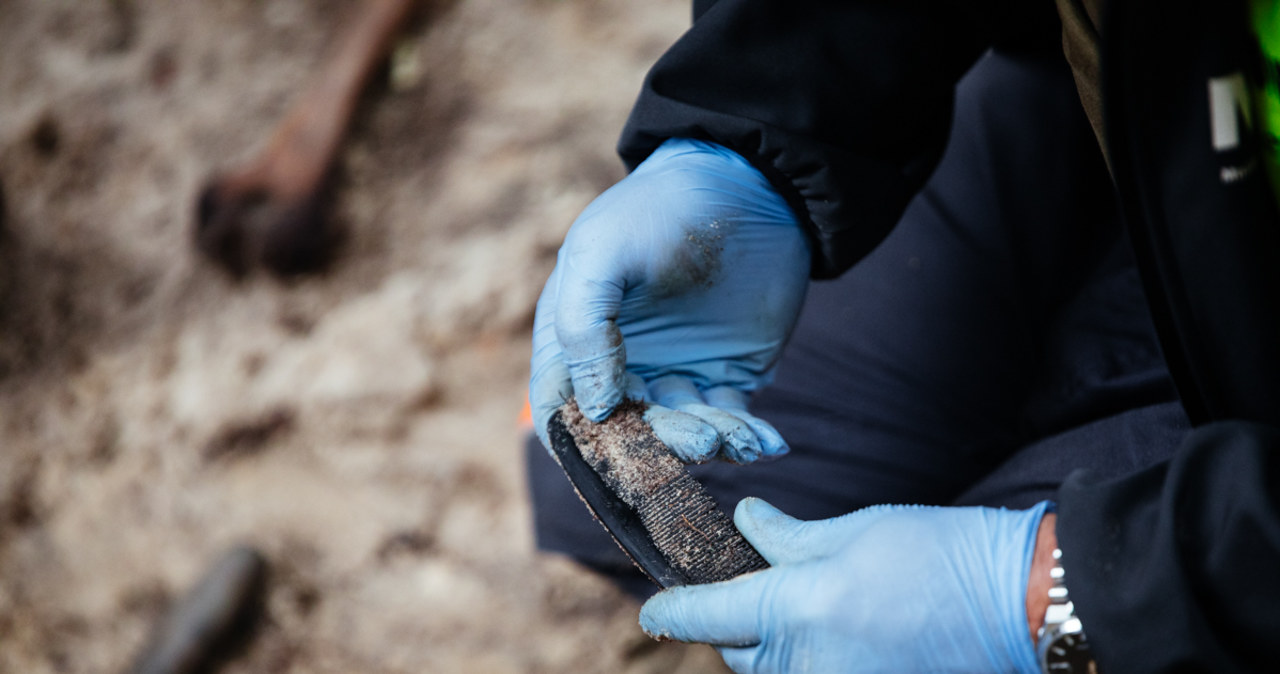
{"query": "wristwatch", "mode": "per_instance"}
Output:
(1061, 643)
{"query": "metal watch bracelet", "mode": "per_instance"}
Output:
(1061, 646)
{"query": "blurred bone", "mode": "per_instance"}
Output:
(272, 210)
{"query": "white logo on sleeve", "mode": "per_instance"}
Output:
(1229, 111)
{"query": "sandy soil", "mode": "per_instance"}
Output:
(358, 427)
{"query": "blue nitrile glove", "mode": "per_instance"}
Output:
(679, 285)
(885, 589)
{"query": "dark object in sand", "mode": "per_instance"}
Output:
(213, 622)
(660, 516)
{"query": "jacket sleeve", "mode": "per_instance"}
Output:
(845, 106)
(1176, 568)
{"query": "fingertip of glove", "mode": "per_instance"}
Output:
(749, 504)
(773, 447)
(766, 436)
(742, 451)
(662, 615)
(752, 509)
(597, 407)
(687, 436)
(599, 386)
(650, 623)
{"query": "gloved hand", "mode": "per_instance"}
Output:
(885, 589)
(679, 285)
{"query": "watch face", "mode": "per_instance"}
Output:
(1070, 654)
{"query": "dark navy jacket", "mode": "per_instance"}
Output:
(845, 106)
